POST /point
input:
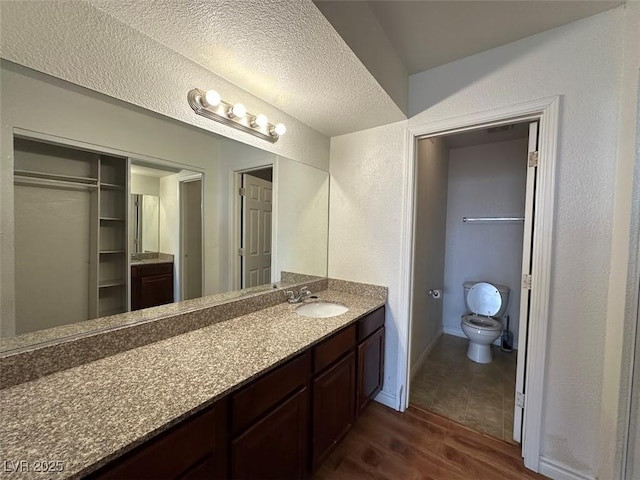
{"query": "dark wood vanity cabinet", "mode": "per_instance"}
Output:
(282, 425)
(151, 285)
(370, 358)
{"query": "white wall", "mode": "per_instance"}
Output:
(580, 61)
(365, 211)
(302, 218)
(429, 246)
(484, 181)
(144, 185)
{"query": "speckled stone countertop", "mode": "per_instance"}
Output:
(88, 415)
(150, 258)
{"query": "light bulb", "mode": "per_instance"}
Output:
(280, 129)
(212, 99)
(260, 121)
(238, 110)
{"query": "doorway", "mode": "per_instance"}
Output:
(191, 237)
(255, 226)
(545, 112)
(472, 225)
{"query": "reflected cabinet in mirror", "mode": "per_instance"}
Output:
(115, 208)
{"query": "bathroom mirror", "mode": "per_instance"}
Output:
(144, 223)
(105, 136)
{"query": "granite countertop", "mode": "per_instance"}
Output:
(88, 415)
(150, 258)
(149, 261)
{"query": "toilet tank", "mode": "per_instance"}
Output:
(504, 295)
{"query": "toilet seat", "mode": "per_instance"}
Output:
(481, 322)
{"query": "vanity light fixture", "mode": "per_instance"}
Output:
(209, 104)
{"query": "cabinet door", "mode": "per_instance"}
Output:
(276, 446)
(333, 406)
(156, 290)
(370, 369)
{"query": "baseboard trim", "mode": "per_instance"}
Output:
(387, 399)
(423, 356)
(559, 471)
(457, 331)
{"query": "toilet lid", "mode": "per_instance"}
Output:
(484, 299)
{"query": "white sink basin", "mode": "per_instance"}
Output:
(321, 309)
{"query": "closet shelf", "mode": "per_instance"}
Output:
(110, 252)
(111, 283)
(111, 219)
(55, 176)
(491, 219)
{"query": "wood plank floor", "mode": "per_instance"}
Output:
(385, 444)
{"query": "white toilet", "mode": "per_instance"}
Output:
(487, 302)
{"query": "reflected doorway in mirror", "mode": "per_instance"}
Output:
(256, 212)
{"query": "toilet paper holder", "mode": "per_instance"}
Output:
(435, 293)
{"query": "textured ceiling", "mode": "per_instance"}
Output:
(284, 52)
(426, 34)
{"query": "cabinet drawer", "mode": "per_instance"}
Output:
(332, 349)
(369, 324)
(152, 269)
(263, 394)
(199, 440)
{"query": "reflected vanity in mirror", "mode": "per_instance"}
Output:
(101, 190)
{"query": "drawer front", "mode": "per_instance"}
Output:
(152, 269)
(370, 323)
(256, 399)
(332, 349)
(176, 451)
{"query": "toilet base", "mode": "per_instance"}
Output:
(479, 353)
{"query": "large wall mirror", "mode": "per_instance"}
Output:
(114, 208)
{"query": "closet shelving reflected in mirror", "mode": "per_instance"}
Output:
(70, 234)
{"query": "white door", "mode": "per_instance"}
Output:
(256, 231)
(191, 221)
(526, 285)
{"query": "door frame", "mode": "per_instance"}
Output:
(179, 283)
(546, 111)
(236, 238)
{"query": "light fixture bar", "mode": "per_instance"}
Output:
(225, 113)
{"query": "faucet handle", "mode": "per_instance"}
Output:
(290, 295)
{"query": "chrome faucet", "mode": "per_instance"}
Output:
(302, 294)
